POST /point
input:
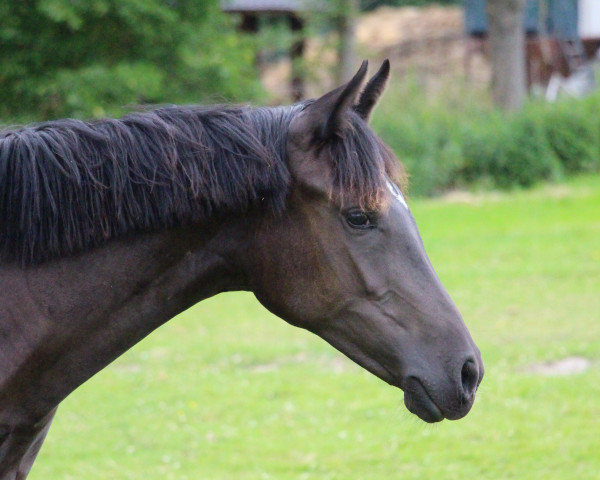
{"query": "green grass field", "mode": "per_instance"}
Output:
(227, 391)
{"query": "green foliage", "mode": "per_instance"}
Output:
(573, 134)
(425, 138)
(458, 140)
(88, 58)
(514, 151)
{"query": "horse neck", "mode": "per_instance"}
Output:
(64, 321)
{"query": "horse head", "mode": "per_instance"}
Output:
(345, 259)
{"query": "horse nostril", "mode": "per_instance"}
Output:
(470, 378)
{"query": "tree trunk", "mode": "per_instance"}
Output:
(507, 53)
(346, 18)
(297, 57)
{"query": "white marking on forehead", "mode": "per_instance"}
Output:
(397, 193)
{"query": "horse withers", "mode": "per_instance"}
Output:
(110, 228)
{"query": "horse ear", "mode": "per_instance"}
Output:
(370, 95)
(330, 109)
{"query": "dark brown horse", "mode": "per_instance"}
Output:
(109, 229)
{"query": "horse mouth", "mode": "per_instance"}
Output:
(420, 403)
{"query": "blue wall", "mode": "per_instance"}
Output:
(561, 17)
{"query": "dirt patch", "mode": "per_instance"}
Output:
(566, 366)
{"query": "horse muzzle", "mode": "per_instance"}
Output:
(433, 400)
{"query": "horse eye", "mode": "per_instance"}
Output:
(360, 219)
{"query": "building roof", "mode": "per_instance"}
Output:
(267, 6)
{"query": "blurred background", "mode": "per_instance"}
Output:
(493, 108)
(456, 68)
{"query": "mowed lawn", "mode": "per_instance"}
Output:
(228, 391)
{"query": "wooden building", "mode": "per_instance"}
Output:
(251, 12)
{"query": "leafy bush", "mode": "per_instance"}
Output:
(573, 134)
(66, 58)
(458, 141)
(515, 151)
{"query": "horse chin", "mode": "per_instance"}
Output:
(419, 402)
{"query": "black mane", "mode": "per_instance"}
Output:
(68, 185)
